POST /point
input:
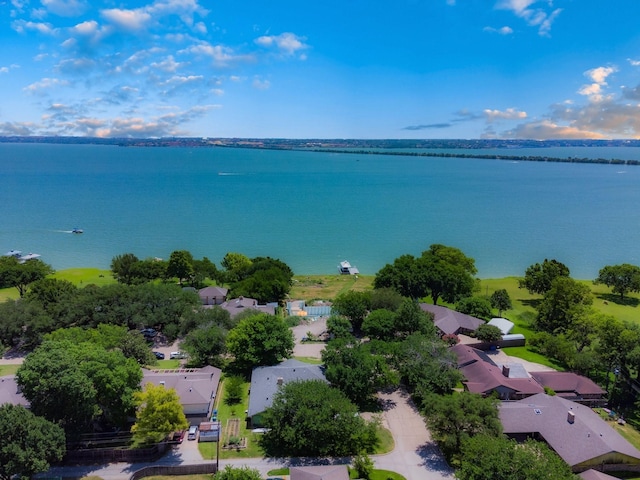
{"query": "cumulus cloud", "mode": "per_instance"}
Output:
(261, 84)
(7, 69)
(635, 63)
(599, 78)
(23, 26)
(286, 43)
(547, 129)
(128, 20)
(45, 84)
(508, 114)
(534, 16)
(501, 31)
(65, 8)
(16, 128)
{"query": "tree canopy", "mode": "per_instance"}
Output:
(538, 278)
(488, 333)
(562, 304)
(180, 265)
(243, 472)
(263, 278)
(501, 300)
(20, 274)
(74, 384)
(312, 419)
(259, 339)
(353, 305)
(29, 443)
(158, 413)
(622, 279)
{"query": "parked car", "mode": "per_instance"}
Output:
(193, 432)
(174, 355)
(148, 333)
(159, 355)
(179, 436)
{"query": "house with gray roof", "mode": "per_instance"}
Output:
(574, 431)
(235, 306)
(266, 381)
(595, 475)
(213, 295)
(320, 472)
(450, 322)
(196, 387)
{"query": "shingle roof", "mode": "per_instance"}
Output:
(595, 475)
(587, 438)
(240, 304)
(561, 382)
(194, 386)
(264, 381)
(320, 472)
(213, 292)
(449, 321)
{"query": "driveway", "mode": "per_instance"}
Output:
(415, 456)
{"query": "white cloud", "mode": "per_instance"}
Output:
(167, 65)
(44, 84)
(599, 75)
(261, 84)
(502, 30)
(508, 114)
(129, 20)
(635, 63)
(535, 17)
(13, 66)
(22, 26)
(65, 8)
(546, 129)
(287, 43)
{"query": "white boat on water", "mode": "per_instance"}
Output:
(345, 268)
(21, 258)
(77, 230)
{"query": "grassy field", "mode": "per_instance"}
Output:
(8, 370)
(327, 287)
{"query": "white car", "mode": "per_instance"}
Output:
(174, 355)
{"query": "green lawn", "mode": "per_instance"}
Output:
(85, 276)
(8, 370)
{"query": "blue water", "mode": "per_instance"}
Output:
(313, 210)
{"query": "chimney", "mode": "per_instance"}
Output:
(280, 380)
(505, 371)
(571, 417)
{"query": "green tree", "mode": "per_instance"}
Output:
(23, 322)
(403, 276)
(448, 273)
(498, 458)
(233, 390)
(538, 278)
(14, 273)
(410, 319)
(205, 345)
(363, 465)
(29, 443)
(180, 265)
(235, 266)
(455, 418)
(565, 301)
(74, 384)
(356, 371)
(353, 305)
(258, 340)
(339, 327)
(426, 365)
(238, 473)
(265, 279)
(479, 307)
(312, 419)
(380, 324)
(158, 413)
(49, 292)
(386, 298)
(122, 268)
(500, 300)
(622, 279)
(488, 333)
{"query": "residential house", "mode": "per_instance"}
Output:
(196, 387)
(320, 472)
(572, 386)
(238, 305)
(213, 295)
(503, 324)
(266, 381)
(484, 377)
(451, 322)
(595, 475)
(574, 431)
(299, 308)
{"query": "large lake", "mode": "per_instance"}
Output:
(313, 210)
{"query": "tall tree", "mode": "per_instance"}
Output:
(158, 413)
(566, 300)
(498, 458)
(501, 301)
(205, 345)
(488, 333)
(457, 417)
(312, 419)
(403, 277)
(122, 268)
(353, 305)
(238, 473)
(260, 339)
(180, 265)
(265, 279)
(623, 278)
(29, 443)
(355, 370)
(479, 307)
(538, 278)
(235, 265)
(448, 273)
(14, 273)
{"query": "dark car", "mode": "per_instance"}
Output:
(159, 355)
(148, 333)
(178, 436)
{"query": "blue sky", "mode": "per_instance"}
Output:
(333, 69)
